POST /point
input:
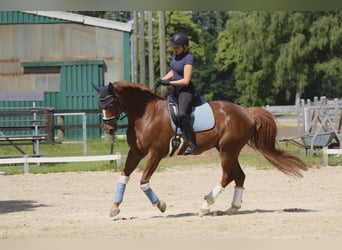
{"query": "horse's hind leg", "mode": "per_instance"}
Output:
(227, 176)
(231, 171)
(239, 179)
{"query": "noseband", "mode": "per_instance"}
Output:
(104, 102)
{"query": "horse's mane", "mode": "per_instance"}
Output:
(137, 88)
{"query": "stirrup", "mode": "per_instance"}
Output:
(189, 150)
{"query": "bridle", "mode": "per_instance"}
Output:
(104, 103)
(116, 103)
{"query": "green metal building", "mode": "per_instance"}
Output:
(50, 59)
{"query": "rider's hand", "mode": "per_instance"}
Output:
(163, 82)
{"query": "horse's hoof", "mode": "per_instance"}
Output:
(232, 210)
(162, 206)
(203, 211)
(210, 200)
(114, 212)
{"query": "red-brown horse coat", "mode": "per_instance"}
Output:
(149, 132)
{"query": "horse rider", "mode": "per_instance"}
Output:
(183, 88)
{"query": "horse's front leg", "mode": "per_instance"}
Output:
(132, 162)
(153, 160)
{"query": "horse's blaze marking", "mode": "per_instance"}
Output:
(104, 114)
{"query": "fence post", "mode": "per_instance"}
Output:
(26, 165)
(84, 133)
(60, 124)
(49, 124)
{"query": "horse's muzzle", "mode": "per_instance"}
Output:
(110, 126)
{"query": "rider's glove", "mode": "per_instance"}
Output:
(163, 82)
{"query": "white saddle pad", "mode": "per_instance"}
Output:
(204, 119)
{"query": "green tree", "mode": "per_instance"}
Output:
(246, 50)
(325, 47)
(119, 16)
(98, 14)
(274, 55)
(208, 79)
(292, 66)
(310, 59)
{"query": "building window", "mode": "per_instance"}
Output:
(44, 78)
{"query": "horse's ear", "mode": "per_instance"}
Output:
(110, 88)
(97, 88)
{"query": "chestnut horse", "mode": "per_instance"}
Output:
(149, 133)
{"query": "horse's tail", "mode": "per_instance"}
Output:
(264, 141)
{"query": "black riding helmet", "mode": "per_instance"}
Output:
(179, 39)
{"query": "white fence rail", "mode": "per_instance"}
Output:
(330, 151)
(27, 160)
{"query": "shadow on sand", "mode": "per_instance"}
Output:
(242, 212)
(12, 206)
(224, 213)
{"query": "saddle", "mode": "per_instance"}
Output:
(201, 118)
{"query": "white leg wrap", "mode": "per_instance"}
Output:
(237, 199)
(123, 179)
(145, 187)
(210, 198)
(216, 191)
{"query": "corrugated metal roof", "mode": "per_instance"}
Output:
(87, 20)
(18, 17)
(62, 63)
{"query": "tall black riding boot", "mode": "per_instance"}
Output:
(189, 135)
